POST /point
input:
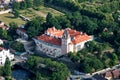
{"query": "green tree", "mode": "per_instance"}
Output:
(32, 62)
(118, 51)
(7, 68)
(16, 13)
(89, 64)
(1, 71)
(29, 3)
(59, 70)
(63, 21)
(15, 6)
(73, 56)
(38, 76)
(17, 46)
(114, 59)
(75, 19)
(89, 26)
(37, 2)
(23, 5)
(3, 33)
(12, 30)
(40, 19)
(90, 46)
(49, 17)
(33, 28)
(13, 25)
(85, 65)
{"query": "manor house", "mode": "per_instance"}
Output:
(56, 42)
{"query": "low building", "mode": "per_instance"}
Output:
(112, 74)
(1, 42)
(4, 54)
(2, 78)
(99, 77)
(22, 33)
(6, 1)
(56, 42)
(116, 73)
(3, 26)
(108, 75)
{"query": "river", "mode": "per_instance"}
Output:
(20, 74)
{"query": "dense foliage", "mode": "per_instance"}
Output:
(95, 56)
(26, 4)
(17, 46)
(98, 18)
(7, 70)
(33, 27)
(55, 70)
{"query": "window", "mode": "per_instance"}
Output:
(78, 47)
(40, 45)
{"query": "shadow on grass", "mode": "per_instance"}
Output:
(12, 17)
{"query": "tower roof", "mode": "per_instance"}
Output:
(66, 34)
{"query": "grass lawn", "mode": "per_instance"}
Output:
(8, 17)
(43, 11)
(29, 13)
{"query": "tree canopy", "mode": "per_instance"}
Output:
(7, 68)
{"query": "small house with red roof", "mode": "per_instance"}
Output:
(3, 26)
(56, 42)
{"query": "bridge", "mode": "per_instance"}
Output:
(17, 60)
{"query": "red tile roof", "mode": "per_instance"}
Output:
(80, 38)
(54, 32)
(52, 36)
(48, 39)
(21, 29)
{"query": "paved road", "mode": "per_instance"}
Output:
(17, 60)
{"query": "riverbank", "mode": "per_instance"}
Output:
(19, 73)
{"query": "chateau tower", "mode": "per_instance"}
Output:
(66, 39)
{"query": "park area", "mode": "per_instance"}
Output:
(40, 11)
(8, 17)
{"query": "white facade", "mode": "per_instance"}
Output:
(4, 54)
(6, 1)
(50, 50)
(1, 42)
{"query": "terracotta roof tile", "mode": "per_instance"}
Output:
(54, 32)
(73, 32)
(80, 38)
(48, 39)
(52, 36)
